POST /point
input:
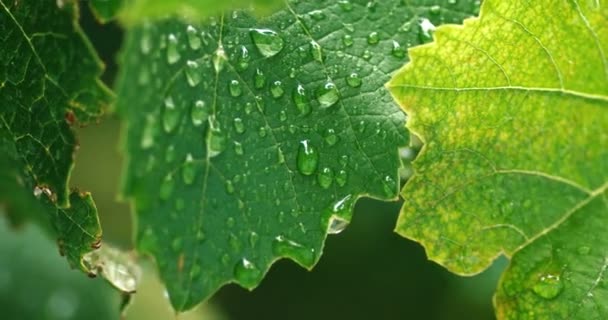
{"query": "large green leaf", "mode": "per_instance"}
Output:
(48, 83)
(249, 140)
(513, 110)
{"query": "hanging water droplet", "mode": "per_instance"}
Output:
(268, 42)
(325, 177)
(276, 89)
(238, 148)
(193, 40)
(548, 286)
(336, 225)
(307, 158)
(235, 88)
(199, 113)
(426, 29)
(259, 79)
(193, 73)
(243, 59)
(397, 50)
(341, 178)
(189, 170)
(247, 274)
(166, 187)
(354, 80)
(347, 40)
(328, 95)
(301, 100)
(283, 247)
(239, 126)
(173, 55)
(373, 38)
(330, 137)
(216, 141)
(171, 116)
(316, 51)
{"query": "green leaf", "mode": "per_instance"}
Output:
(48, 83)
(513, 112)
(140, 10)
(249, 140)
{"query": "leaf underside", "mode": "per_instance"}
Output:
(243, 151)
(512, 108)
(48, 82)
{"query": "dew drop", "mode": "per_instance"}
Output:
(219, 59)
(262, 132)
(267, 41)
(316, 51)
(193, 40)
(216, 141)
(235, 88)
(254, 238)
(259, 79)
(199, 113)
(325, 177)
(229, 187)
(189, 170)
(390, 186)
(247, 274)
(238, 148)
(282, 115)
(347, 40)
(307, 159)
(147, 136)
(276, 89)
(373, 38)
(166, 187)
(193, 73)
(354, 80)
(336, 225)
(330, 137)
(239, 126)
(173, 55)
(345, 5)
(243, 59)
(283, 247)
(341, 178)
(171, 115)
(426, 30)
(435, 9)
(584, 250)
(397, 50)
(548, 286)
(317, 15)
(301, 100)
(328, 95)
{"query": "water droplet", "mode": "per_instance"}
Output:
(390, 186)
(317, 15)
(254, 238)
(397, 50)
(171, 115)
(341, 178)
(336, 225)
(259, 79)
(247, 274)
(584, 250)
(239, 126)
(230, 222)
(316, 51)
(325, 177)
(328, 95)
(166, 187)
(548, 286)
(276, 89)
(238, 148)
(243, 59)
(301, 101)
(219, 59)
(229, 187)
(426, 30)
(235, 88)
(193, 73)
(199, 113)
(435, 9)
(354, 80)
(347, 40)
(173, 55)
(283, 247)
(330, 137)
(373, 38)
(170, 154)
(345, 5)
(193, 40)
(367, 55)
(268, 42)
(189, 170)
(307, 159)
(147, 136)
(282, 115)
(262, 132)
(216, 141)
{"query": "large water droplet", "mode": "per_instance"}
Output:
(193, 73)
(301, 100)
(199, 113)
(193, 39)
(354, 80)
(548, 286)
(268, 42)
(283, 247)
(328, 95)
(219, 59)
(316, 51)
(189, 170)
(259, 79)
(166, 187)
(171, 115)
(235, 88)
(116, 267)
(336, 225)
(426, 29)
(247, 274)
(307, 159)
(173, 55)
(325, 177)
(276, 89)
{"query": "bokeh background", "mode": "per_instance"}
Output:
(366, 272)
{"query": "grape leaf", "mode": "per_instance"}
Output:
(248, 140)
(512, 108)
(48, 82)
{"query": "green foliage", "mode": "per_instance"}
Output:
(512, 110)
(249, 140)
(48, 83)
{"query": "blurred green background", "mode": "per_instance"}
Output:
(366, 272)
